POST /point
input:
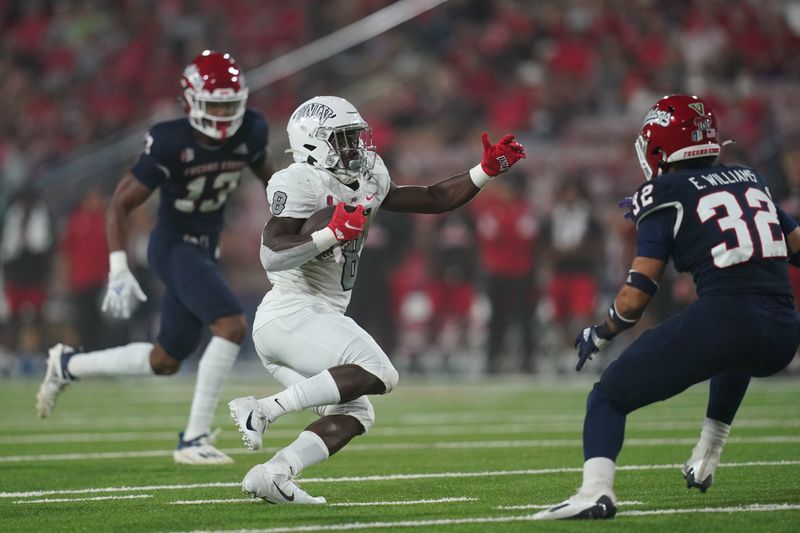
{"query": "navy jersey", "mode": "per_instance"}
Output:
(196, 179)
(720, 224)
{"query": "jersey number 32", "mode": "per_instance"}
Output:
(761, 220)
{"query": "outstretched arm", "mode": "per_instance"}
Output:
(454, 192)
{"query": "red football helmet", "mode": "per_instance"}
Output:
(214, 94)
(677, 128)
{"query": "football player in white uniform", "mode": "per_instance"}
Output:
(326, 361)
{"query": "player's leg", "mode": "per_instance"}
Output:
(343, 361)
(334, 363)
(205, 295)
(686, 349)
(726, 392)
(778, 324)
(65, 365)
(339, 361)
(337, 425)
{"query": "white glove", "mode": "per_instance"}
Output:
(123, 293)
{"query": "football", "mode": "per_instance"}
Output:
(318, 220)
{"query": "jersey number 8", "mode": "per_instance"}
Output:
(764, 219)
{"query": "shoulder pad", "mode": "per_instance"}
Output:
(658, 194)
(160, 139)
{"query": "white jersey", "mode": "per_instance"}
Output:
(301, 190)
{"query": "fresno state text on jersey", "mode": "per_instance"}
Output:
(195, 178)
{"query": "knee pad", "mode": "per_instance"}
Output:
(390, 378)
(380, 367)
(361, 409)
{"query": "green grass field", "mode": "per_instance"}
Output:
(451, 456)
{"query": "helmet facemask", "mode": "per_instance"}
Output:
(351, 153)
(214, 94)
(216, 116)
(329, 133)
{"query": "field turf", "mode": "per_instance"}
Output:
(444, 455)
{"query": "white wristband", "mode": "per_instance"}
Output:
(118, 262)
(324, 239)
(479, 177)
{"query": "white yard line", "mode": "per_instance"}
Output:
(454, 445)
(93, 499)
(391, 431)
(505, 519)
(339, 504)
(391, 477)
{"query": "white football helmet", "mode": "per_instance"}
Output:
(329, 133)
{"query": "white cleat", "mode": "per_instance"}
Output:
(699, 470)
(250, 420)
(582, 507)
(274, 483)
(56, 379)
(199, 451)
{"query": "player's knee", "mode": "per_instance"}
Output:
(602, 398)
(232, 328)
(390, 378)
(367, 417)
(162, 364)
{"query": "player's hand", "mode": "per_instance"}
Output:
(590, 341)
(347, 225)
(498, 158)
(627, 203)
(123, 293)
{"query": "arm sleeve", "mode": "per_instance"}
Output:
(655, 234)
(287, 259)
(150, 169)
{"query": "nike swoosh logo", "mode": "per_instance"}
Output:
(247, 423)
(279, 404)
(289, 497)
(349, 226)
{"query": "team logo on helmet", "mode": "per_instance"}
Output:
(657, 116)
(314, 110)
(698, 107)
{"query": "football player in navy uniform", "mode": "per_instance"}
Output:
(719, 223)
(196, 162)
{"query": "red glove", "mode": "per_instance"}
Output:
(347, 225)
(500, 157)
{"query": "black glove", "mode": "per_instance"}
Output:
(591, 340)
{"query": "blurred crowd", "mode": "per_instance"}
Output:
(509, 279)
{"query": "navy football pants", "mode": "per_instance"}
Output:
(196, 294)
(725, 338)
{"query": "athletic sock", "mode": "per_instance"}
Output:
(214, 367)
(712, 437)
(598, 476)
(317, 390)
(307, 450)
(129, 360)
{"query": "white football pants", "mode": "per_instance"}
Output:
(298, 337)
